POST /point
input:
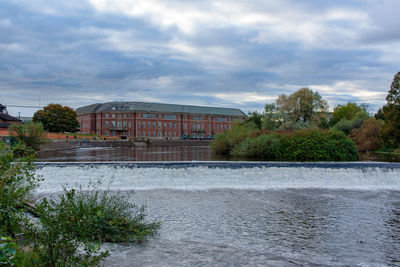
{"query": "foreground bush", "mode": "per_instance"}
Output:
(17, 180)
(68, 229)
(303, 145)
(98, 216)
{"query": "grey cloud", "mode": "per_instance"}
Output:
(65, 52)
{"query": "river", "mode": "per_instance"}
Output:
(252, 214)
(158, 153)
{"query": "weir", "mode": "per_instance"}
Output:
(222, 175)
(224, 164)
(251, 213)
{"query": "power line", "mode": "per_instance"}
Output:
(21, 106)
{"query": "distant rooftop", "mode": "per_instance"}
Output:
(158, 107)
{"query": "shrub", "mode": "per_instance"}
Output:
(98, 216)
(31, 134)
(368, 137)
(17, 180)
(318, 145)
(224, 142)
(264, 147)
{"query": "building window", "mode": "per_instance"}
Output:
(149, 134)
(149, 125)
(107, 115)
(169, 134)
(154, 124)
(198, 126)
(202, 126)
(143, 133)
(125, 116)
(174, 125)
(119, 115)
(221, 119)
(174, 134)
(170, 125)
(159, 134)
(193, 126)
(107, 124)
(209, 127)
(198, 118)
(113, 115)
(130, 124)
(113, 124)
(165, 125)
(159, 116)
(184, 125)
(113, 133)
(225, 126)
(230, 127)
(149, 116)
(154, 133)
(119, 124)
(143, 125)
(124, 123)
(159, 125)
(107, 133)
(170, 117)
(217, 126)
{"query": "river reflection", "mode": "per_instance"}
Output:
(159, 153)
(152, 153)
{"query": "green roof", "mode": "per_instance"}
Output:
(158, 107)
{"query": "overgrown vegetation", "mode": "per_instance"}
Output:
(30, 135)
(391, 112)
(69, 228)
(302, 145)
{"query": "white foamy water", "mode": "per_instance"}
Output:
(205, 178)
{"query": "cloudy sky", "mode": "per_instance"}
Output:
(223, 53)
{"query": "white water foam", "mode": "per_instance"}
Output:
(205, 178)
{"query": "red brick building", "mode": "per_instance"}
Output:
(156, 120)
(5, 119)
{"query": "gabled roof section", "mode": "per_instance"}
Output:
(7, 117)
(2, 106)
(158, 107)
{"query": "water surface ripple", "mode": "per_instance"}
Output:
(254, 216)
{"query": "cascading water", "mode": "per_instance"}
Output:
(279, 214)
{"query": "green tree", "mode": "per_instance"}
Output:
(57, 118)
(348, 112)
(303, 105)
(391, 111)
(379, 115)
(30, 134)
(255, 118)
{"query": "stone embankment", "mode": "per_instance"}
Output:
(74, 144)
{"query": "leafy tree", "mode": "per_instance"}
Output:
(348, 112)
(272, 118)
(391, 111)
(30, 135)
(303, 105)
(57, 118)
(255, 118)
(379, 115)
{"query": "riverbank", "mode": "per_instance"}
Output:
(56, 145)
